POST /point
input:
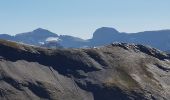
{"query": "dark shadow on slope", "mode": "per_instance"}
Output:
(37, 89)
(64, 63)
(94, 55)
(101, 92)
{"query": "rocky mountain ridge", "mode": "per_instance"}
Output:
(119, 71)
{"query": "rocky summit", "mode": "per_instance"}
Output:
(118, 71)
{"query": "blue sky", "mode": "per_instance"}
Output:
(81, 17)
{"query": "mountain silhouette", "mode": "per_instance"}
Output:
(103, 36)
(35, 37)
(158, 39)
(39, 36)
(106, 35)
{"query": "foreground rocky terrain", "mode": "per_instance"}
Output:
(118, 71)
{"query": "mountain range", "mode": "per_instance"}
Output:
(159, 39)
(41, 36)
(118, 71)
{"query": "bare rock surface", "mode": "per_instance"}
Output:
(118, 71)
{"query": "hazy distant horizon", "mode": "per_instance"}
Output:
(81, 36)
(81, 18)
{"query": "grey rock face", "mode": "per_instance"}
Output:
(115, 72)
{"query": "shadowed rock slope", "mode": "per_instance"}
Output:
(115, 72)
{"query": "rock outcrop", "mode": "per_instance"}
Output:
(118, 71)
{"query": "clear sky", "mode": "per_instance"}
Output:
(81, 17)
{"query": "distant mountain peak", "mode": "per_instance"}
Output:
(40, 30)
(108, 29)
(105, 31)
